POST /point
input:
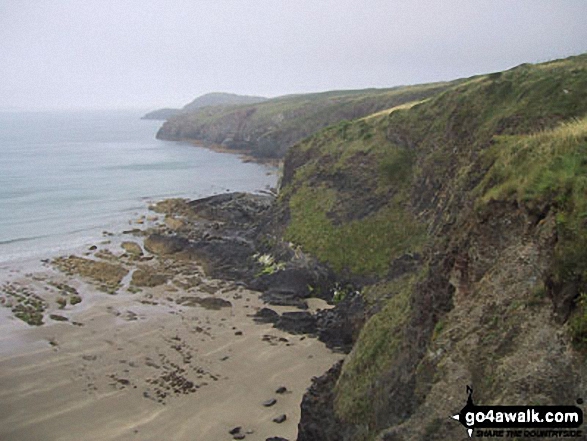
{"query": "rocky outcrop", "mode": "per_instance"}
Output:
(319, 421)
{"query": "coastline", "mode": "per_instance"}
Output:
(244, 155)
(174, 353)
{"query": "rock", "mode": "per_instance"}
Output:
(108, 275)
(318, 420)
(270, 402)
(276, 438)
(206, 302)
(266, 315)
(145, 277)
(132, 248)
(235, 430)
(165, 245)
(93, 248)
(239, 436)
(173, 223)
(339, 327)
(281, 390)
(235, 208)
(301, 322)
(292, 280)
(280, 419)
(58, 318)
(283, 298)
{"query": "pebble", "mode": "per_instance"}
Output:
(270, 402)
(280, 419)
(235, 430)
(281, 390)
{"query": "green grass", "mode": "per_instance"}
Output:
(372, 355)
(548, 166)
(549, 169)
(269, 128)
(365, 246)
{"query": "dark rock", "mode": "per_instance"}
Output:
(235, 430)
(339, 327)
(58, 318)
(269, 402)
(266, 315)
(297, 322)
(239, 436)
(165, 245)
(284, 298)
(280, 419)
(318, 420)
(276, 438)
(281, 390)
(300, 279)
(291, 280)
(235, 208)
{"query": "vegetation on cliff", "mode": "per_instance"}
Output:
(267, 129)
(483, 185)
(214, 99)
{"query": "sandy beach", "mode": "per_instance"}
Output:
(176, 357)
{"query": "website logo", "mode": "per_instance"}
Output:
(518, 421)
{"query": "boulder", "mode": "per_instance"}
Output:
(132, 248)
(165, 245)
(298, 322)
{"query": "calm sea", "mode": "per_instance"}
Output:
(65, 177)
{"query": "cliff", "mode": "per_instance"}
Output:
(161, 114)
(213, 99)
(458, 224)
(221, 99)
(267, 129)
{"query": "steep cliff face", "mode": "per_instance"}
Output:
(462, 219)
(268, 129)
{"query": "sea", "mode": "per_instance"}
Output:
(67, 179)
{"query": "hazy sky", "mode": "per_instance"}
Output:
(155, 53)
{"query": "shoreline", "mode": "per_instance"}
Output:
(244, 155)
(174, 354)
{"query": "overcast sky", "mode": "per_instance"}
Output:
(164, 53)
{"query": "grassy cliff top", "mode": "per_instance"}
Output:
(269, 128)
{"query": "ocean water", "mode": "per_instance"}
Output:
(66, 177)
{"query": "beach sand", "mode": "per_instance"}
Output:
(143, 364)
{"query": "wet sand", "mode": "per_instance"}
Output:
(145, 363)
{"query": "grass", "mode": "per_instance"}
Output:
(545, 166)
(269, 128)
(365, 246)
(373, 354)
(549, 169)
